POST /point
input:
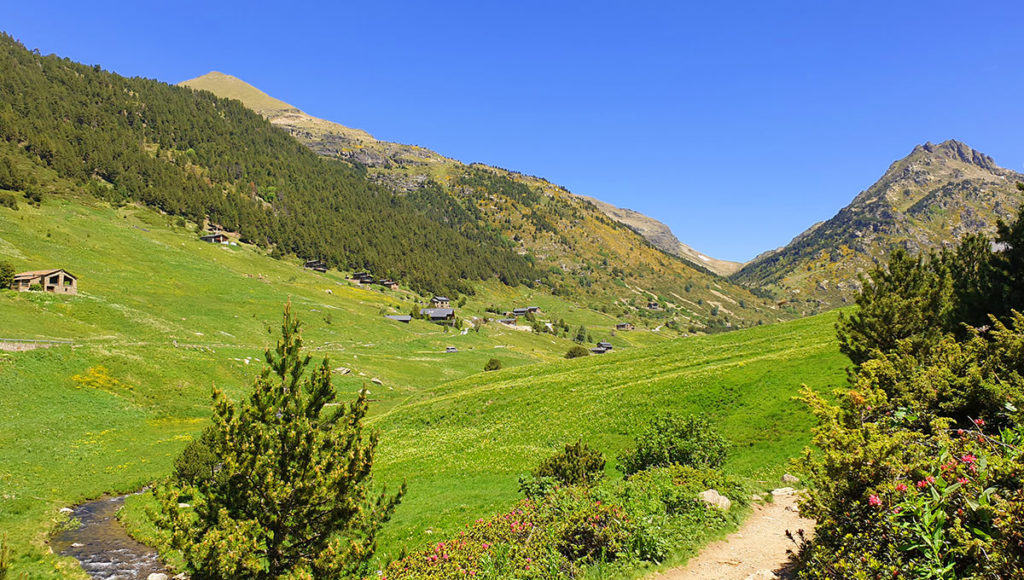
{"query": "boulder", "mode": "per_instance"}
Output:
(377, 381)
(157, 576)
(343, 370)
(783, 491)
(715, 499)
(790, 479)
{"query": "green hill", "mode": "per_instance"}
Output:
(461, 445)
(586, 249)
(929, 200)
(161, 316)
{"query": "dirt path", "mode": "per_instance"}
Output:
(756, 551)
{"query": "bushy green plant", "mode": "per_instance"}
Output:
(493, 365)
(577, 464)
(675, 440)
(576, 352)
(6, 275)
(292, 497)
(36, 287)
(197, 462)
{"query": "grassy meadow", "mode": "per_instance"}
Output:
(161, 317)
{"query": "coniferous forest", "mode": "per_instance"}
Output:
(194, 155)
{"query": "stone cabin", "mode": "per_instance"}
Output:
(315, 265)
(625, 326)
(440, 302)
(58, 281)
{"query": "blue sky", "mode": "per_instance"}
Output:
(739, 124)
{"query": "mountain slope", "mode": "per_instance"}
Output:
(582, 252)
(336, 140)
(194, 155)
(928, 200)
(661, 236)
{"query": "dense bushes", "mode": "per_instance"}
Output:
(917, 469)
(675, 440)
(493, 365)
(6, 275)
(578, 464)
(577, 352)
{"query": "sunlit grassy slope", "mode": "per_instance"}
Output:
(166, 317)
(462, 446)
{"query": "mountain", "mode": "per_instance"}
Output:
(405, 167)
(211, 160)
(661, 236)
(581, 247)
(926, 201)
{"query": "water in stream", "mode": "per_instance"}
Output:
(103, 547)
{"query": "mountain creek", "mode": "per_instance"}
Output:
(103, 547)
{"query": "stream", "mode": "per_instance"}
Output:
(102, 545)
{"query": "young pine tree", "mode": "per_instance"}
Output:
(291, 496)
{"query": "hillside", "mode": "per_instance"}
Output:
(582, 252)
(202, 158)
(161, 316)
(661, 236)
(925, 201)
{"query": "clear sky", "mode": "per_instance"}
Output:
(739, 124)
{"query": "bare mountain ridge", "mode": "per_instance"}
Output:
(928, 200)
(334, 140)
(661, 236)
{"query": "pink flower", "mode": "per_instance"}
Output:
(897, 509)
(979, 422)
(922, 483)
(901, 486)
(930, 479)
(873, 500)
(968, 458)
(961, 480)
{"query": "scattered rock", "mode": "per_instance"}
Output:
(343, 370)
(376, 381)
(157, 576)
(715, 499)
(66, 510)
(184, 506)
(329, 291)
(790, 479)
(783, 491)
(757, 497)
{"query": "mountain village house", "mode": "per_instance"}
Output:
(437, 314)
(217, 238)
(315, 265)
(57, 281)
(440, 302)
(625, 326)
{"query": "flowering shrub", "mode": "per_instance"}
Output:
(552, 537)
(578, 464)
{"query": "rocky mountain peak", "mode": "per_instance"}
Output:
(955, 150)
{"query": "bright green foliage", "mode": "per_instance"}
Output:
(6, 274)
(291, 497)
(662, 501)
(576, 352)
(578, 464)
(493, 365)
(976, 378)
(910, 299)
(675, 440)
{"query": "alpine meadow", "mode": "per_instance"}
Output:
(238, 340)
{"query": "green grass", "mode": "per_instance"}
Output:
(461, 447)
(168, 316)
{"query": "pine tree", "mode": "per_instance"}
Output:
(291, 496)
